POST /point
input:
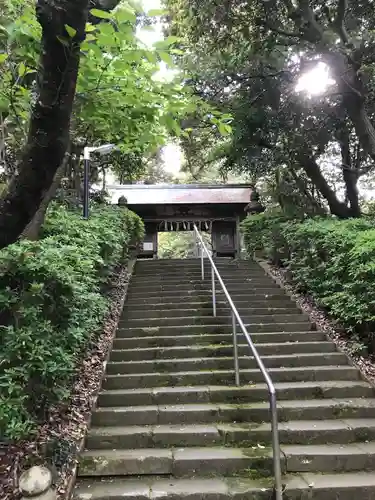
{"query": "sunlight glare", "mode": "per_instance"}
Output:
(315, 81)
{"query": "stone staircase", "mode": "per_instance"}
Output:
(170, 421)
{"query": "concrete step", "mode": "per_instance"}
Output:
(184, 462)
(225, 339)
(194, 269)
(172, 271)
(169, 409)
(211, 320)
(180, 462)
(232, 394)
(240, 435)
(295, 326)
(250, 291)
(201, 286)
(249, 413)
(206, 305)
(297, 487)
(233, 277)
(252, 300)
(178, 278)
(223, 377)
(218, 351)
(225, 363)
(157, 312)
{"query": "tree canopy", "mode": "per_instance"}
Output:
(75, 74)
(247, 58)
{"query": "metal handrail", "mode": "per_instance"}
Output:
(271, 388)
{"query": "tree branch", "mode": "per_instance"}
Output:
(339, 21)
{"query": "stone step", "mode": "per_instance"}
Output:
(184, 462)
(217, 351)
(249, 413)
(180, 462)
(310, 486)
(190, 291)
(187, 329)
(206, 305)
(120, 343)
(232, 394)
(155, 312)
(225, 363)
(195, 269)
(252, 300)
(186, 286)
(237, 278)
(178, 278)
(211, 320)
(222, 377)
(240, 435)
(170, 271)
(220, 319)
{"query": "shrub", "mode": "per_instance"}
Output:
(52, 300)
(333, 260)
(262, 235)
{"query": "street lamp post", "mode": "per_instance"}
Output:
(102, 150)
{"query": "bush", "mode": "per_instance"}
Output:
(333, 260)
(52, 300)
(262, 235)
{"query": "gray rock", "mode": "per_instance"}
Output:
(35, 481)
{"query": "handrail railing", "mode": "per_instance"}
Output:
(271, 388)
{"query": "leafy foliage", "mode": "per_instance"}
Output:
(332, 260)
(250, 68)
(52, 301)
(180, 245)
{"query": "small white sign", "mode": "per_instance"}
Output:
(148, 247)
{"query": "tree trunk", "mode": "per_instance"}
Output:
(32, 230)
(317, 208)
(50, 119)
(353, 96)
(314, 173)
(349, 175)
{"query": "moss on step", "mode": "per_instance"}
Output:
(263, 476)
(87, 463)
(342, 411)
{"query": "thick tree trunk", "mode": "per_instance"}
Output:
(300, 184)
(349, 175)
(353, 95)
(314, 173)
(49, 125)
(32, 230)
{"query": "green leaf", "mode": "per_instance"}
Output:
(224, 129)
(164, 56)
(90, 37)
(90, 27)
(63, 41)
(125, 15)
(21, 69)
(71, 31)
(156, 12)
(101, 14)
(3, 57)
(170, 40)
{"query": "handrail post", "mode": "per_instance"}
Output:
(202, 261)
(276, 446)
(213, 291)
(235, 351)
(278, 486)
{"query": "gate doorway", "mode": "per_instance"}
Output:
(215, 209)
(180, 245)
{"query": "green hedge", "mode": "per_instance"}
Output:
(333, 260)
(52, 300)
